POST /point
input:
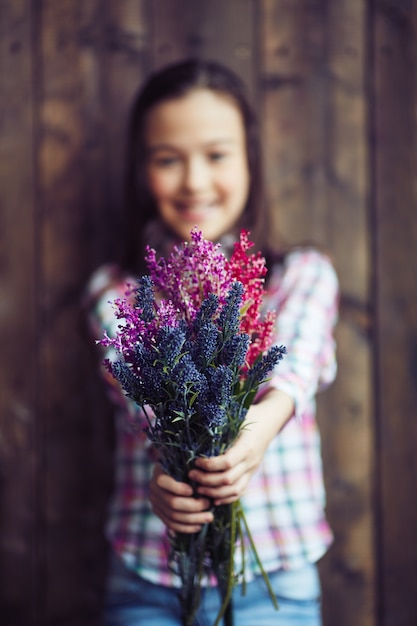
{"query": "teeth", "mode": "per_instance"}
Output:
(197, 207)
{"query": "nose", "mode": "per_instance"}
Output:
(196, 174)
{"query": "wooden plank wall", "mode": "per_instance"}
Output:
(335, 86)
(394, 91)
(318, 177)
(18, 314)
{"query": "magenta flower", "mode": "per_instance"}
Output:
(198, 268)
(194, 348)
(192, 271)
(250, 270)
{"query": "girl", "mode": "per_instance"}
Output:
(194, 160)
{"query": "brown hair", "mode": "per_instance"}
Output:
(174, 82)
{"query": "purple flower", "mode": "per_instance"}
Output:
(144, 300)
(183, 355)
(206, 345)
(234, 350)
(191, 273)
(265, 364)
(221, 381)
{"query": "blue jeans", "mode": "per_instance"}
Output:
(133, 601)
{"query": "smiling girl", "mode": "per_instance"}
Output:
(194, 160)
(197, 167)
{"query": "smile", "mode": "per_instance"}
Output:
(194, 210)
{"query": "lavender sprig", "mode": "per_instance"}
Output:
(184, 361)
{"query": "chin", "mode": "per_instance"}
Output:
(208, 233)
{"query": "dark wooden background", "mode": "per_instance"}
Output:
(335, 85)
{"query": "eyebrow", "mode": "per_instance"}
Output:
(209, 144)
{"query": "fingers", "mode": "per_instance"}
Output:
(225, 478)
(180, 520)
(162, 480)
(174, 504)
(217, 479)
(223, 488)
(224, 462)
(220, 480)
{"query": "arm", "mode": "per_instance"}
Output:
(306, 301)
(222, 479)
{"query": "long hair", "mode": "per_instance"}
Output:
(176, 81)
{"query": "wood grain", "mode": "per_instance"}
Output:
(19, 486)
(394, 152)
(347, 418)
(213, 29)
(314, 63)
(336, 89)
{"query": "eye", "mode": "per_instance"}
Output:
(165, 161)
(217, 155)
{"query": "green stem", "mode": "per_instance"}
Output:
(258, 560)
(228, 615)
(194, 590)
(243, 555)
(230, 566)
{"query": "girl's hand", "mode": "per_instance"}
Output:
(174, 504)
(225, 478)
(222, 479)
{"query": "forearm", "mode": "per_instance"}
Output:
(266, 418)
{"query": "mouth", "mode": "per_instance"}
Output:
(196, 209)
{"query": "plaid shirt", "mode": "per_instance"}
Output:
(284, 503)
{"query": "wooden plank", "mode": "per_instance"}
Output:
(89, 54)
(18, 483)
(348, 421)
(291, 40)
(314, 111)
(395, 149)
(123, 66)
(214, 29)
(62, 226)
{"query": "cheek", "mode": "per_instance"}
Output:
(235, 184)
(160, 184)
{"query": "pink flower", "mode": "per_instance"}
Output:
(250, 270)
(198, 268)
(192, 271)
(185, 279)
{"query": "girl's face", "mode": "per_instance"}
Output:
(197, 169)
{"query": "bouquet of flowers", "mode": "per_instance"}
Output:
(193, 351)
